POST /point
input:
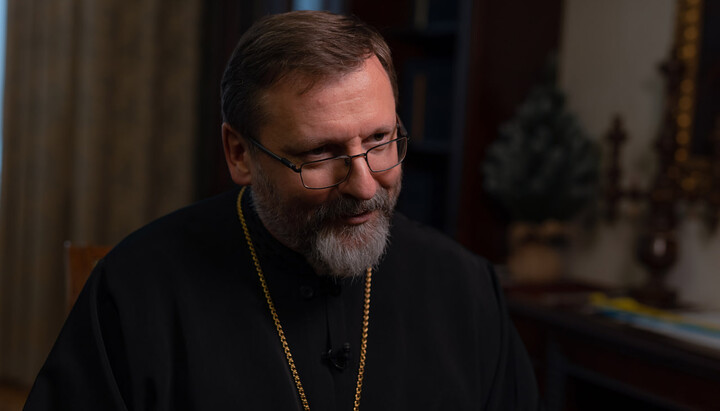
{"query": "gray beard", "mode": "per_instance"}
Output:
(329, 247)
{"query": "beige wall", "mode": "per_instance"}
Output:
(610, 54)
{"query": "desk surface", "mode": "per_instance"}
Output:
(587, 361)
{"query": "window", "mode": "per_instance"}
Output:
(3, 21)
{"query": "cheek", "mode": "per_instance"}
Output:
(390, 179)
(285, 182)
(309, 198)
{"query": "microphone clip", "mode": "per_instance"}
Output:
(338, 358)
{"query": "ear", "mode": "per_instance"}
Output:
(237, 155)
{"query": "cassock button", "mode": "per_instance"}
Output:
(307, 292)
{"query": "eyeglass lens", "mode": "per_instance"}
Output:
(333, 171)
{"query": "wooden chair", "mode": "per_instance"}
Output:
(79, 263)
(12, 395)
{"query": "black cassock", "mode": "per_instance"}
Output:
(174, 318)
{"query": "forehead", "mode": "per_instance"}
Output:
(342, 106)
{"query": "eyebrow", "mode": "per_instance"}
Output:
(314, 141)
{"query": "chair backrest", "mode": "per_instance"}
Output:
(79, 263)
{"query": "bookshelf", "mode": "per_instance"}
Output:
(429, 40)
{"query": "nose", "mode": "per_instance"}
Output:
(361, 183)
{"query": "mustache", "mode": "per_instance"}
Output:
(345, 206)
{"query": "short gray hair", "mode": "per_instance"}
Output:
(310, 45)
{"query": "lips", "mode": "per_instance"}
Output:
(357, 219)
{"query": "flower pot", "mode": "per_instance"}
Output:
(537, 251)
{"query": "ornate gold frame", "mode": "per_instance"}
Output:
(691, 172)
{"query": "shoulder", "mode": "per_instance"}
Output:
(196, 227)
(429, 275)
(433, 248)
(199, 239)
(194, 223)
(429, 266)
(433, 264)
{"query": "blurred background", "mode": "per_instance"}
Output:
(571, 142)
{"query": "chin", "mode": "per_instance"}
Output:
(348, 250)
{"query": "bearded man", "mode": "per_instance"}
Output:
(261, 298)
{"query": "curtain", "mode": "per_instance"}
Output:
(99, 129)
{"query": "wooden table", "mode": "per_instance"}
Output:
(585, 361)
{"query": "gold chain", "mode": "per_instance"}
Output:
(278, 327)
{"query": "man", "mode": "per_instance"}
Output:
(302, 289)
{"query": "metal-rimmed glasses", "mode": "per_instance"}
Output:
(330, 172)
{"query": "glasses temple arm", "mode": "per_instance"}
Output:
(283, 160)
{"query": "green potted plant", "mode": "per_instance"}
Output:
(543, 170)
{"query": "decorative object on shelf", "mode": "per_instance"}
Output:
(656, 244)
(685, 174)
(537, 255)
(541, 168)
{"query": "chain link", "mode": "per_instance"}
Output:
(281, 333)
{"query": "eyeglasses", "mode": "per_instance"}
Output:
(330, 172)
